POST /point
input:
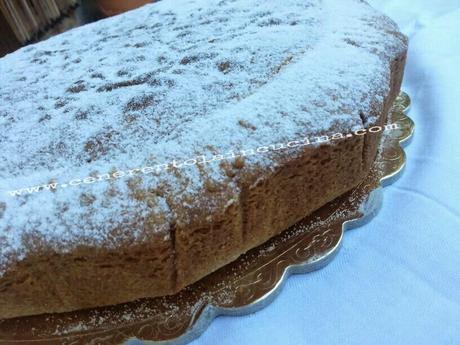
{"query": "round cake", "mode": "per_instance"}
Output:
(144, 151)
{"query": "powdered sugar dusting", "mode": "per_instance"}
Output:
(173, 80)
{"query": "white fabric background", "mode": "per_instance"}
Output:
(397, 279)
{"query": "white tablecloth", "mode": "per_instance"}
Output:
(397, 279)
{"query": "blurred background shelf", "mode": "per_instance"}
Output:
(28, 18)
(27, 21)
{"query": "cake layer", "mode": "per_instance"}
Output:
(142, 152)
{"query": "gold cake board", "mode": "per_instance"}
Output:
(242, 287)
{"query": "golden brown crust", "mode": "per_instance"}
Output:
(87, 278)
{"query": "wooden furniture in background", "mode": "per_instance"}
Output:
(72, 13)
(28, 18)
(8, 41)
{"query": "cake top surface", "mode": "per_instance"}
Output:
(103, 127)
